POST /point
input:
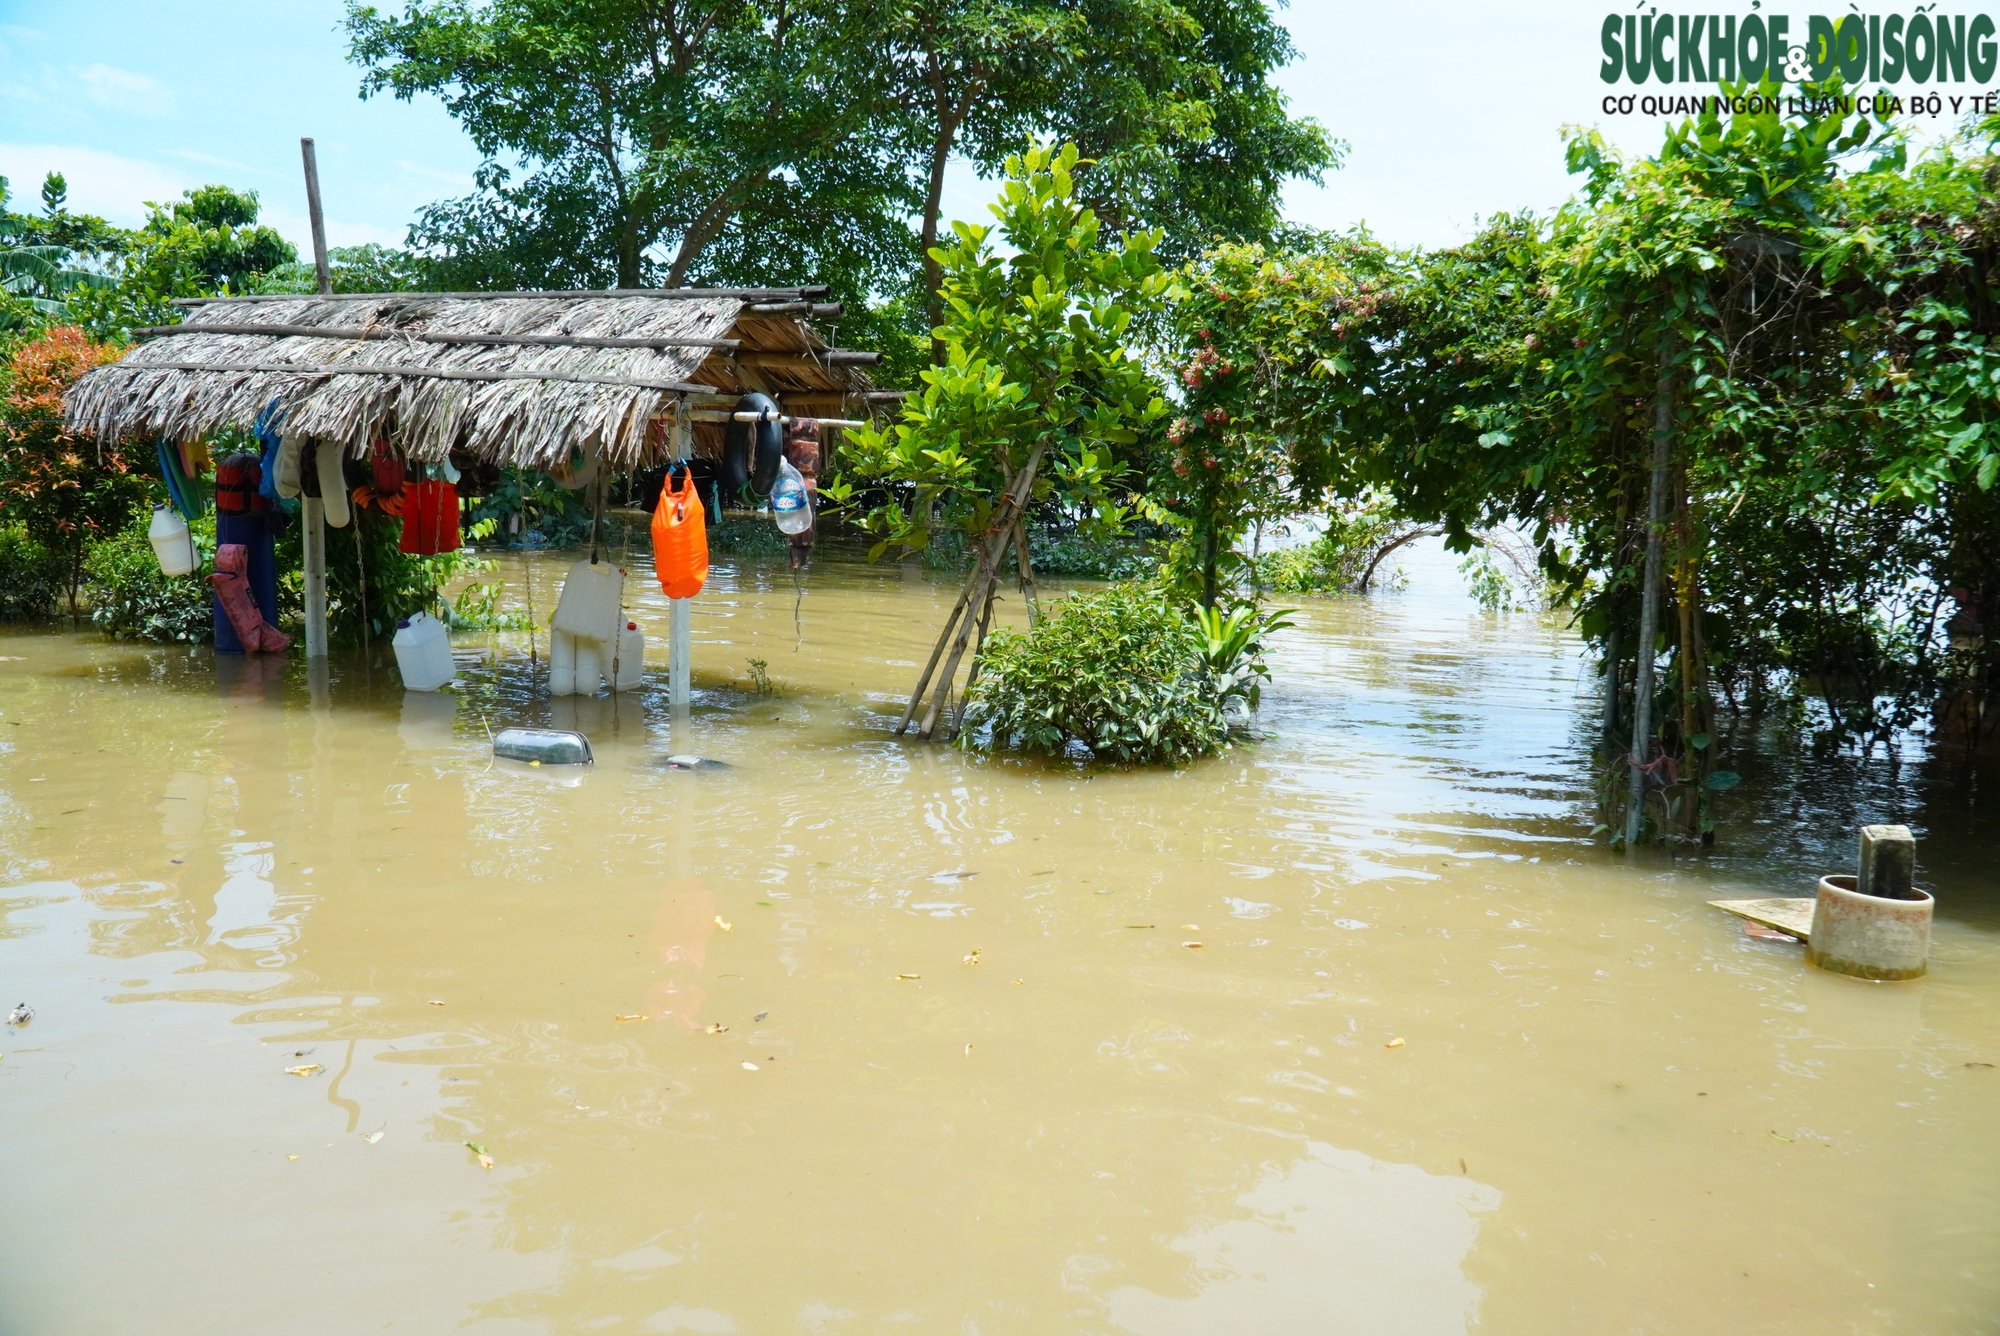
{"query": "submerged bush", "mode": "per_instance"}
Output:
(1118, 671)
(31, 577)
(131, 600)
(1076, 557)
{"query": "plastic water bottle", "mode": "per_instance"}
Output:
(791, 505)
(172, 543)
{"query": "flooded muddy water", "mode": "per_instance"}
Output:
(857, 1035)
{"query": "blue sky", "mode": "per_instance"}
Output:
(1453, 110)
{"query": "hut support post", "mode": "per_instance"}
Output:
(317, 219)
(680, 611)
(312, 513)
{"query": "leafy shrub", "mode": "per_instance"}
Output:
(31, 577)
(1118, 671)
(131, 600)
(1077, 557)
(746, 537)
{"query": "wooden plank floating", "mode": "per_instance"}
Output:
(1794, 916)
(385, 298)
(421, 336)
(417, 372)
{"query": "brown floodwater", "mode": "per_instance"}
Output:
(857, 1035)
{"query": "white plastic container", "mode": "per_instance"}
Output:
(590, 666)
(562, 663)
(172, 543)
(631, 658)
(791, 505)
(423, 653)
(589, 606)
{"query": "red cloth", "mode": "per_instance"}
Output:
(388, 470)
(430, 518)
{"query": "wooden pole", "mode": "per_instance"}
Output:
(312, 513)
(680, 611)
(1649, 597)
(320, 269)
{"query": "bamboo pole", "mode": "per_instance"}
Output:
(992, 552)
(383, 332)
(1649, 596)
(312, 513)
(415, 372)
(679, 294)
(320, 269)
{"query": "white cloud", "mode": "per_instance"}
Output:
(297, 229)
(121, 90)
(457, 180)
(99, 182)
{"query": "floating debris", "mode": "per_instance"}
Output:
(635, 1016)
(304, 1069)
(542, 746)
(724, 924)
(749, 1066)
(1393, 1043)
(21, 1014)
(909, 976)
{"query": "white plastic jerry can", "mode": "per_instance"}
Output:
(423, 653)
(172, 543)
(589, 606)
(562, 663)
(590, 666)
(631, 658)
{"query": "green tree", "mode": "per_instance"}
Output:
(1172, 103)
(649, 131)
(1037, 392)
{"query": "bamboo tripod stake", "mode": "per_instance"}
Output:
(978, 591)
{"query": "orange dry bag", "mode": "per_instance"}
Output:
(680, 539)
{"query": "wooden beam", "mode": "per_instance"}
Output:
(824, 310)
(672, 294)
(814, 361)
(359, 332)
(417, 372)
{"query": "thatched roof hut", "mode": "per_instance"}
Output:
(511, 378)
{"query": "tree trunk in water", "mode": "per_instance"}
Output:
(1611, 685)
(1649, 597)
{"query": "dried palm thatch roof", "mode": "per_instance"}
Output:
(518, 378)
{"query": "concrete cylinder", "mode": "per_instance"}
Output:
(1870, 936)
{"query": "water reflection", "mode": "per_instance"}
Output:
(1336, 1243)
(992, 1091)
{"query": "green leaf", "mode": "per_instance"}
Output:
(1723, 779)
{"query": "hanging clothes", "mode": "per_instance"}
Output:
(270, 443)
(253, 633)
(680, 537)
(182, 489)
(802, 452)
(430, 518)
(252, 533)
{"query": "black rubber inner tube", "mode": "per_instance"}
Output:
(752, 451)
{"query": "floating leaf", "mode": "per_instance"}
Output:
(760, 1016)
(1192, 946)
(635, 1016)
(909, 976)
(475, 1148)
(1723, 779)
(1776, 1137)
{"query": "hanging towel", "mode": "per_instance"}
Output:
(270, 443)
(332, 483)
(430, 518)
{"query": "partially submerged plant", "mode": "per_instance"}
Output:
(1120, 673)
